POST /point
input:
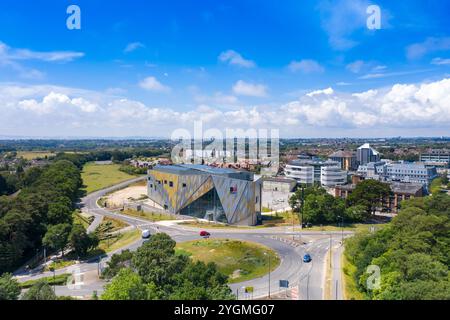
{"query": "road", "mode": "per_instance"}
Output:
(310, 277)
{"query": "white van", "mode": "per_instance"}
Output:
(146, 234)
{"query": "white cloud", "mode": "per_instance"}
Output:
(430, 45)
(8, 53)
(399, 109)
(327, 91)
(234, 58)
(306, 66)
(152, 84)
(440, 61)
(133, 46)
(249, 89)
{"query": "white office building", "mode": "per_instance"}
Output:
(307, 171)
(399, 171)
(332, 176)
(303, 174)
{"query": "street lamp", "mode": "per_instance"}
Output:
(342, 228)
(268, 255)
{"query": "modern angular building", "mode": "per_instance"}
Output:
(366, 154)
(216, 194)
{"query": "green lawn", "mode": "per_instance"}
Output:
(122, 240)
(240, 260)
(59, 264)
(96, 177)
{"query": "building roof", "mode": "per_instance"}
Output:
(405, 188)
(342, 154)
(280, 179)
(367, 146)
(191, 169)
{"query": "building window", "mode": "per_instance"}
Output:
(165, 181)
(170, 183)
(184, 185)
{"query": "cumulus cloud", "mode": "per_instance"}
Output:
(48, 110)
(306, 66)
(249, 89)
(234, 58)
(152, 84)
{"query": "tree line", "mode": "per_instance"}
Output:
(412, 253)
(320, 207)
(41, 210)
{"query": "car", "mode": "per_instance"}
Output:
(146, 234)
(307, 258)
(204, 234)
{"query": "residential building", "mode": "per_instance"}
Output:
(216, 194)
(366, 154)
(346, 159)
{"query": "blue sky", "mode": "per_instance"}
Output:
(230, 63)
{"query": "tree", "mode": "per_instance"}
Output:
(9, 287)
(126, 285)
(323, 208)
(155, 261)
(82, 242)
(41, 290)
(57, 236)
(369, 193)
(117, 262)
(296, 199)
(444, 178)
(356, 213)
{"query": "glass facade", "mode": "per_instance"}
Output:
(207, 207)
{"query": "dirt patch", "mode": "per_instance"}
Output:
(119, 198)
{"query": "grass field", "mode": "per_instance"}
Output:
(240, 260)
(151, 216)
(30, 155)
(96, 177)
(59, 264)
(350, 288)
(122, 240)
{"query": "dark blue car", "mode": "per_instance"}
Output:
(307, 258)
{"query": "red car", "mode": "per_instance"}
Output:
(204, 234)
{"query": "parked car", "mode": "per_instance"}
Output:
(146, 234)
(307, 258)
(204, 234)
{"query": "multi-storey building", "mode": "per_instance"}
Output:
(436, 155)
(366, 154)
(399, 171)
(332, 176)
(346, 159)
(307, 171)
